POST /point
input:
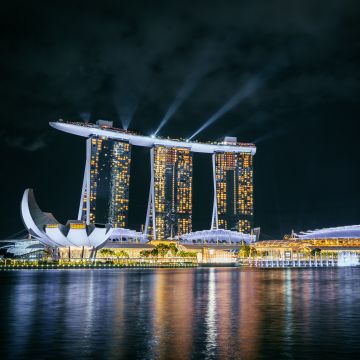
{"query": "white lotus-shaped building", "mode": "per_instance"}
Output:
(44, 227)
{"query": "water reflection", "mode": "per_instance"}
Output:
(180, 314)
(210, 316)
(173, 313)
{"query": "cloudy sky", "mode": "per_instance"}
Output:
(283, 74)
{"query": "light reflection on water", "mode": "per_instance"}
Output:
(215, 313)
(210, 316)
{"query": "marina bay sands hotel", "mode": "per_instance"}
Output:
(105, 190)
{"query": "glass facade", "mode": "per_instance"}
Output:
(109, 182)
(234, 190)
(172, 191)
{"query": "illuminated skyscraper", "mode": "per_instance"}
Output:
(106, 179)
(105, 193)
(170, 192)
(233, 185)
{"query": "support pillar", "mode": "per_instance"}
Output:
(215, 219)
(86, 185)
(151, 203)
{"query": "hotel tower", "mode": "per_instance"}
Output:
(170, 200)
(105, 191)
(233, 191)
(106, 180)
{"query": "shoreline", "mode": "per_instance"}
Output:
(95, 266)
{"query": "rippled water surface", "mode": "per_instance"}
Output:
(208, 313)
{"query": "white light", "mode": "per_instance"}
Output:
(153, 136)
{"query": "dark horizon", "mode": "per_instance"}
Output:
(287, 76)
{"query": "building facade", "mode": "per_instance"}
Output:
(233, 188)
(105, 193)
(171, 199)
(106, 180)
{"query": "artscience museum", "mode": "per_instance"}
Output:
(74, 235)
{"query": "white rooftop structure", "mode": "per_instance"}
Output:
(351, 231)
(88, 129)
(46, 229)
(24, 247)
(121, 234)
(216, 236)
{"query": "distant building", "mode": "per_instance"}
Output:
(339, 232)
(171, 199)
(21, 248)
(107, 179)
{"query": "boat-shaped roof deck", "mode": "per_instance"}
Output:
(88, 129)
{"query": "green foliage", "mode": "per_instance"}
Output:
(253, 252)
(162, 249)
(173, 249)
(145, 253)
(154, 252)
(107, 252)
(316, 251)
(186, 253)
(114, 253)
(122, 253)
(244, 251)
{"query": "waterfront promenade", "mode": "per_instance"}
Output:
(100, 264)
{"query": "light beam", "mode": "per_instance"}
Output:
(187, 88)
(250, 87)
(128, 87)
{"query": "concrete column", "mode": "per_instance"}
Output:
(151, 202)
(86, 185)
(215, 219)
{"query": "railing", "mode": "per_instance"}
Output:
(99, 263)
(282, 263)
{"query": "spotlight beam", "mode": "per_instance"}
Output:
(127, 110)
(187, 88)
(250, 87)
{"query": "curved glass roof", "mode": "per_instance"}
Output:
(351, 231)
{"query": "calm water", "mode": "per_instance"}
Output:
(220, 313)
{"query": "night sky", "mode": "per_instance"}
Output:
(295, 65)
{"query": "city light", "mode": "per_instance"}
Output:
(105, 195)
(108, 168)
(172, 191)
(234, 187)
